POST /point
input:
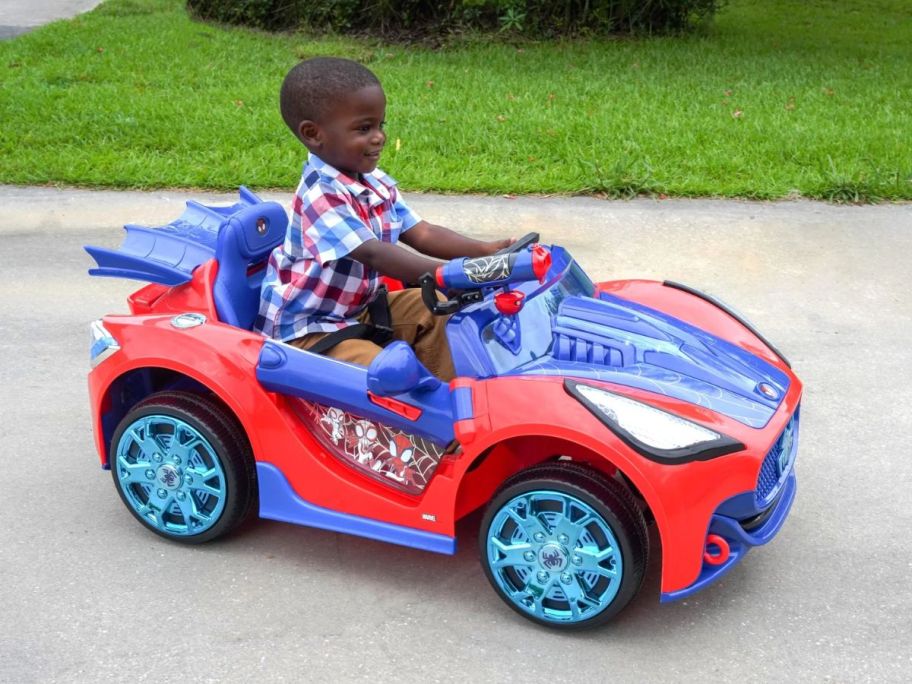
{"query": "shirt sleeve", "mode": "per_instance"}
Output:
(405, 213)
(331, 225)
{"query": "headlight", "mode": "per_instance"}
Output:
(103, 343)
(656, 434)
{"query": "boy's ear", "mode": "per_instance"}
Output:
(310, 133)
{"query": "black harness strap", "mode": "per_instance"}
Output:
(359, 331)
(378, 310)
(379, 330)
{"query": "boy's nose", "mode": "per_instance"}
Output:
(379, 138)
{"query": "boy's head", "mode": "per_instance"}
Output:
(336, 107)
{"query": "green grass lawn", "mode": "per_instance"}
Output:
(775, 98)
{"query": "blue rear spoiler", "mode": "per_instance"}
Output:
(168, 254)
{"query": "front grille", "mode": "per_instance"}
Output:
(777, 464)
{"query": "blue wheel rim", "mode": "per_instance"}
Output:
(554, 556)
(170, 475)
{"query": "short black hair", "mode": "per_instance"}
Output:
(313, 85)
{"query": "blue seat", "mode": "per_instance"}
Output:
(245, 240)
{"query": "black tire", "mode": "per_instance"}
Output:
(618, 513)
(209, 487)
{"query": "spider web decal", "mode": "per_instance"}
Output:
(487, 269)
(387, 454)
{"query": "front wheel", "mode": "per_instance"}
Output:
(183, 467)
(564, 546)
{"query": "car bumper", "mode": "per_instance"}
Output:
(738, 539)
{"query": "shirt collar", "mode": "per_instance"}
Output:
(375, 186)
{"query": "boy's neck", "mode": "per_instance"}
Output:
(356, 176)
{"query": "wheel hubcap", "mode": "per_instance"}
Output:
(170, 475)
(554, 556)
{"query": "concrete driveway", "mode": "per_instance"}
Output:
(21, 16)
(88, 595)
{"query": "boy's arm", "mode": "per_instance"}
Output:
(390, 260)
(443, 243)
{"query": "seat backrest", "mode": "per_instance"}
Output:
(245, 240)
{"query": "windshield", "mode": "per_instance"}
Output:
(534, 321)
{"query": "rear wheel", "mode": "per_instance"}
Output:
(183, 467)
(564, 546)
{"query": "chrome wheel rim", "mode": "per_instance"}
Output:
(170, 475)
(554, 556)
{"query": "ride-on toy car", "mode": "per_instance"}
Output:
(580, 412)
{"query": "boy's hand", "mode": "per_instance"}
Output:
(495, 246)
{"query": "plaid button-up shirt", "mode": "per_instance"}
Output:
(311, 284)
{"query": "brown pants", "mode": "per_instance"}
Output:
(412, 323)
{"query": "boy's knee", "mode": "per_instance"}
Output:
(359, 352)
(407, 308)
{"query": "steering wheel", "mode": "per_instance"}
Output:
(521, 244)
(460, 299)
(446, 307)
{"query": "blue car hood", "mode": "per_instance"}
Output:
(619, 341)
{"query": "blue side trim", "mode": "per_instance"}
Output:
(740, 540)
(278, 501)
(288, 370)
(462, 403)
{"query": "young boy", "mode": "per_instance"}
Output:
(347, 216)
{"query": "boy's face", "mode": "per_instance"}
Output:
(350, 134)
